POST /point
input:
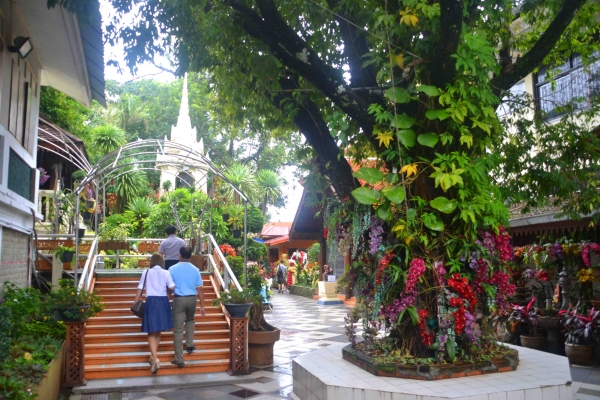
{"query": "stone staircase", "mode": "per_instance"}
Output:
(115, 347)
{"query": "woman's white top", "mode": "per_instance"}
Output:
(157, 282)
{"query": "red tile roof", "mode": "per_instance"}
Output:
(278, 240)
(275, 229)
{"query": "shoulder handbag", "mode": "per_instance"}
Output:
(138, 307)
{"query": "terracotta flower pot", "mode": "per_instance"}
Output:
(260, 347)
(554, 323)
(579, 354)
(532, 341)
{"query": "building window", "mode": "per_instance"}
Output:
(20, 176)
(572, 84)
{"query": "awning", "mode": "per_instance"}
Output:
(71, 53)
(279, 240)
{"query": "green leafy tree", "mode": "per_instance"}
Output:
(65, 112)
(414, 85)
(243, 177)
(269, 187)
(129, 185)
(162, 215)
(106, 139)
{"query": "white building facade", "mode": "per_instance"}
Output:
(66, 55)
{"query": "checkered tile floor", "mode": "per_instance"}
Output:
(306, 326)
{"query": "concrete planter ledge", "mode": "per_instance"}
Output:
(325, 375)
(430, 372)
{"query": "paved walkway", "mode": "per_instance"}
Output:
(305, 327)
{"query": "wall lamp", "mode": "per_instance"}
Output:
(22, 46)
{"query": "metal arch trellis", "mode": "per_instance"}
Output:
(131, 156)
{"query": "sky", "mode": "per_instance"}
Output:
(292, 191)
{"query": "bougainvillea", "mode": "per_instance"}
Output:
(227, 250)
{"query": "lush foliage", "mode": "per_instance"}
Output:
(30, 339)
(114, 228)
(235, 296)
(313, 252)
(71, 304)
(256, 251)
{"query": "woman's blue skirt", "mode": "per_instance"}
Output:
(157, 314)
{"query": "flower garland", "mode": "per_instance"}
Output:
(503, 245)
(409, 294)
(585, 253)
(472, 329)
(586, 275)
(375, 234)
(344, 240)
(426, 337)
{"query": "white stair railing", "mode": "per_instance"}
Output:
(227, 271)
(85, 281)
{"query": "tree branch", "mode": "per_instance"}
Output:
(309, 120)
(296, 54)
(355, 47)
(513, 73)
(443, 65)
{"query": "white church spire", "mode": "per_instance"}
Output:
(183, 131)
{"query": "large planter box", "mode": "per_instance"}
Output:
(303, 291)
(113, 245)
(49, 387)
(260, 347)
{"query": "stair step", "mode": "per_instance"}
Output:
(125, 310)
(115, 347)
(208, 298)
(132, 290)
(92, 329)
(132, 319)
(166, 344)
(143, 356)
(166, 368)
(132, 337)
(133, 282)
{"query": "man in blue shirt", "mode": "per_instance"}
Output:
(188, 285)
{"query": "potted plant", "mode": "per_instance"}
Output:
(581, 333)
(237, 303)
(71, 305)
(525, 316)
(261, 335)
(236, 220)
(113, 237)
(64, 253)
(78, 176)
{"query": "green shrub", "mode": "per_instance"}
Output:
(237, 266)
(313, 252)
(6, 328)
(30, 337)
(256, 250)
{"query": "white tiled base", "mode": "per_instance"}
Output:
(325, 375)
